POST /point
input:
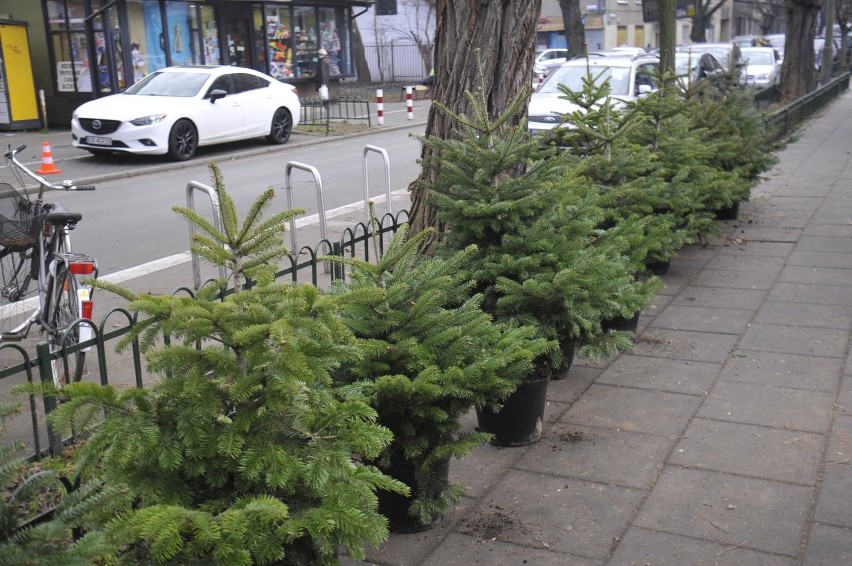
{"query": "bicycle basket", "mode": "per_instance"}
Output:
(19, 225)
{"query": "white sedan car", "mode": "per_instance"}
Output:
(763, 66)
(629, 78)
(177, 109)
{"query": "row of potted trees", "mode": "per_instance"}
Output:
(290, 424)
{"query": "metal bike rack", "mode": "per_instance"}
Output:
(191, 187)
(384, 154)
(288, 172)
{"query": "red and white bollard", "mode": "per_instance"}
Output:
(380, 107)
(409, 102)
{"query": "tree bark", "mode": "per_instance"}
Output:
(667, 10)
(575, 33)
(362, 69)
(798, 72)
(499, 35)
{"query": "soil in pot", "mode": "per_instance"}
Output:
(395, 506)
(521, 420)
(728, 213)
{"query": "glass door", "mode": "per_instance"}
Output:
(237, 38)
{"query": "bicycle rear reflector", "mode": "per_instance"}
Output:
(84, 268)
(86, 311)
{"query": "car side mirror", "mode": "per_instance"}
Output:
(645, 90)
(216, 94)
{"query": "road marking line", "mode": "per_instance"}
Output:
(185, 257)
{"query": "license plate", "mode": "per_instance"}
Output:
(95, 140)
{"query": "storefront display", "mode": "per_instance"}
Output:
(102, 50)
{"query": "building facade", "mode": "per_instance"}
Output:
(87, 49)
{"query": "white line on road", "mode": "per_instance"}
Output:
(184, 257)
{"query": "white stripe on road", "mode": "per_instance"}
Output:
(184, 257)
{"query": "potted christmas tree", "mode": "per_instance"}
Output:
(432, 354)
(540, 258)
(244, 450)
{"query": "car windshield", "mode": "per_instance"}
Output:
(759, 57)
(572, 77)
(169, 84)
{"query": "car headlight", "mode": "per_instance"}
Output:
(148, 120)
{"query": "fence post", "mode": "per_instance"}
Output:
(336, 267)
(380, 107)
(45, 368)
(409, 102)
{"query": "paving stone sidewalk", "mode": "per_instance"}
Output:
(724, 437)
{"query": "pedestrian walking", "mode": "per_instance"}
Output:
(323, 71)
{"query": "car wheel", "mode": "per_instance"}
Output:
(282, 126)
(99, 152)
(183, 140)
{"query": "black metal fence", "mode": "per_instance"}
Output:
(784, 121)
(309, 265)
(319, 112)
(397, 61)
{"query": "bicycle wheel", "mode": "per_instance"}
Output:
(64, 310)
(18, 299)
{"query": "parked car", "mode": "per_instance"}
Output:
(763, 66)
(176, 110)
(694, 67)
(548, 59)
(628, 50)
(727, 54)
(778, 41)
(629, 78)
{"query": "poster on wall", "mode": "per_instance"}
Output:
(180, 46)
(65, 77)
(154, 37)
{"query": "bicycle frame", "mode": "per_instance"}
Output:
(51, 256)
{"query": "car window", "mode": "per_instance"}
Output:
(759, 57)
(245, 82)
(169, 84)
(225, 82)
(572, 77)
(645, 76)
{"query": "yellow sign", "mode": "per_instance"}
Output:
(19, 72)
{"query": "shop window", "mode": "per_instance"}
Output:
(278, 45)
(329, 39)
(210, 36)
(305, 41)
(72, 63)
(180, 23)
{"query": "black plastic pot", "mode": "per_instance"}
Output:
(622, 323)
(568, 350)
(395, 507)
(521, 420)
(657, 266)
(728, 213)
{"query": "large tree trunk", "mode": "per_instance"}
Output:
(499, 35)
(575, 33)
(798, 72)
(362, 69)
(698, 33)
(667, 11)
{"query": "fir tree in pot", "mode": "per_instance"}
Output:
(242, 452)
(540, 259)
(432, 354)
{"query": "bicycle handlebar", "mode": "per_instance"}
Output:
(67, 185)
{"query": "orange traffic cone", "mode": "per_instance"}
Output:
(47, 166)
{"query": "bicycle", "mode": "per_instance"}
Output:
(35, 247)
